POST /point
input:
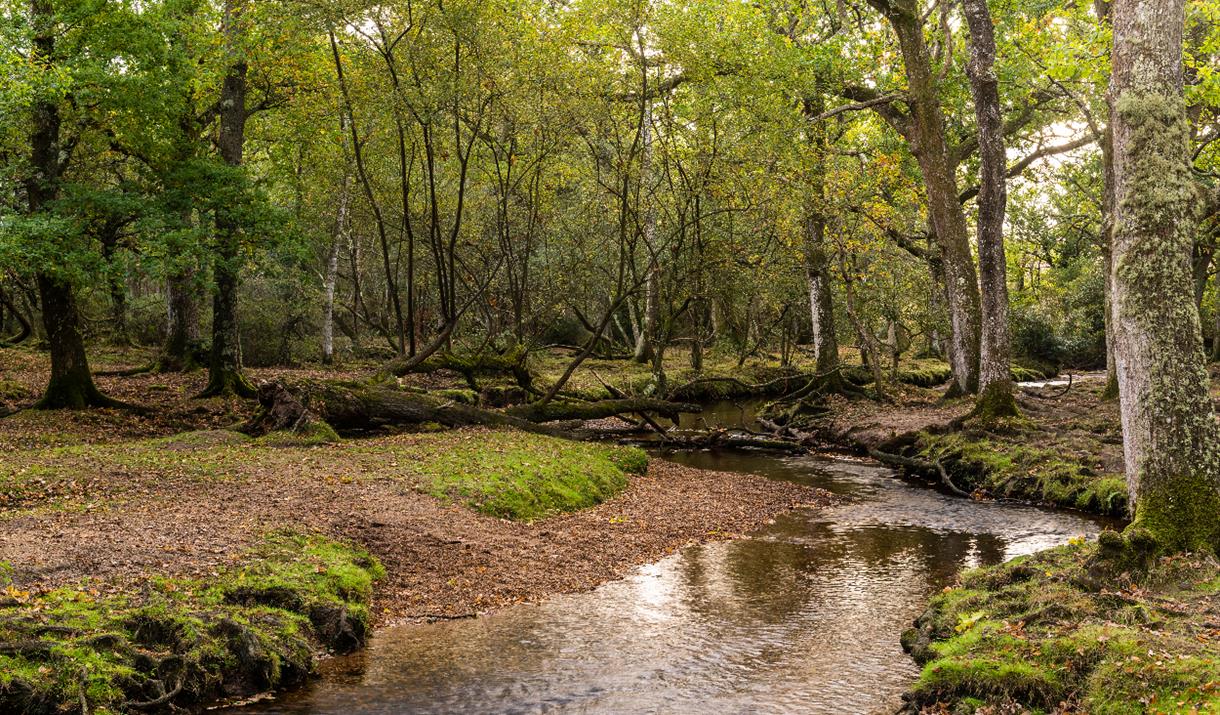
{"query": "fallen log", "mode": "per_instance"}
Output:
(470, 367)
(722, 439)
(553, 411)
(349, 406)
(303, 405)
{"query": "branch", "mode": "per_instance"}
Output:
(1043, 152)
(857, 106)
(1025, 115)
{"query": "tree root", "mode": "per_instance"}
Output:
(933, 467)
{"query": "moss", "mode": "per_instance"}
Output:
(251, 627)
(1005, 466)
(315, 432)
(1174, 443)
(523, 476)
(1070, 626)
(995, 402)
(462, 396)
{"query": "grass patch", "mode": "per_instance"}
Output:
(1075, 625)
(251, 627)
(521, 476)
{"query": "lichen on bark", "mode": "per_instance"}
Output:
(1172, 443)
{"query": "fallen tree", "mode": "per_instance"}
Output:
(316, 405)
(470, 367)
(555, 411)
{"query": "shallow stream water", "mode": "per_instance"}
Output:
(801, 617)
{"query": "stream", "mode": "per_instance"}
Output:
(803, 616)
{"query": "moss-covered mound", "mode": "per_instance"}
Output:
(1016, 465)
(181, 641)
(522, 476)
(1089, 628)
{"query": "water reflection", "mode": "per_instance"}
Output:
(803, 617)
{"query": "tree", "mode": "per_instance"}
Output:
(995, 375)
(71, 384)
(1171, 440)
(224, 363)
(924, 129)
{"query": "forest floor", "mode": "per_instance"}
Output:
(110, 508)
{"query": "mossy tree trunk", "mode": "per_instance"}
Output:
(224, 364)
(71, 384)
(1171, 441)
(178, 353)
(1110, 392)
(995, 374)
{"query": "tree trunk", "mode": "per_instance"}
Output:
(817, 259)
(114, 284)
(926, 136)
(224, 364)
(644, 346)
(332, 269)
(995, 372)
(23, 323)
(1170, 437)
(363, 406)
(1110, 391)
(71, 384)
(179, 353)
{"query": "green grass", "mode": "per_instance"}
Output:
(251, 627)
(1081, 625)
(521, 476)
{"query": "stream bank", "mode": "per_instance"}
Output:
(802, 616)
(1065, 449)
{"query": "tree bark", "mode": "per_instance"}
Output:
(995, 372)
(331, 278)
(817, 258)
(182, 346)
(23, 323)
(645, 341)
(1170, 437)
(925, 133)
(1110, 391)
(224, 364)
(352, 406)
(71, 384)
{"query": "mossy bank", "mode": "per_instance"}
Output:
(1106, 628)
(174, 642)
